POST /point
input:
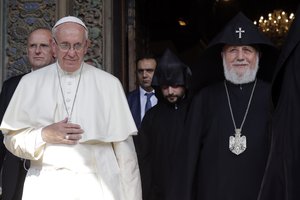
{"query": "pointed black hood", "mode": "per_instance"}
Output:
(171, 71)
(238, 31)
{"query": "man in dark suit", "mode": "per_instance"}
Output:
(137, 98)
(39, 54)
(142, 98)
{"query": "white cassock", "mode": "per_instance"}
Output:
(103, 166)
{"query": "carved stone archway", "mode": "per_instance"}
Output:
(106, 20)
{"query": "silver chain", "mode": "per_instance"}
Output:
(229, 103)
(62, 92)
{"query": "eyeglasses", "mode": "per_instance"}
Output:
(65, 46)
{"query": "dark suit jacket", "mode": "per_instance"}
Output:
(134, 102)
(13, 173)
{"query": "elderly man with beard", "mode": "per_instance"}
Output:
(226, 150)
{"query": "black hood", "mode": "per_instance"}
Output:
(171, 71)
(238, 31)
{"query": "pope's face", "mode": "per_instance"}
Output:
(70, 45)
(240, 62)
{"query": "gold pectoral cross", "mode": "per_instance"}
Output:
(237, 143)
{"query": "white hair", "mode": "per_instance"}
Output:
(248, 76)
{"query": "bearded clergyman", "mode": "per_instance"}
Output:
(226, 151)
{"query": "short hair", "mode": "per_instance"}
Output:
(39, 28)
(255, 46)
(36, 29)
(147, 55)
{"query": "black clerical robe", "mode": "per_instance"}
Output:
(282, 177)
(210, 170)
(159, 136)
(13, 172)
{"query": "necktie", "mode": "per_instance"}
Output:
(148, 102)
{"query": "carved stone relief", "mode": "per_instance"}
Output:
(25, 15)
(20, 17)
(91, 12)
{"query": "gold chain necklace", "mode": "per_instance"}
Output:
(62, 92)
(238, 143)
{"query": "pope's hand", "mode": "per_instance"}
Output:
(62, 133)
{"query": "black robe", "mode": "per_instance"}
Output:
(158, 137)
(13, 172)
(282, 178)
(210, 171)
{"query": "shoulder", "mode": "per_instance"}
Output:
(99, 73)
(41, 73)
(208, 97)
(9, 87)
(133, 97)
(210, 89)
(101, 79)
(38, 78)
(133, 93)
(263, 88)
(13, 80)
(152, 114)
(263, 84)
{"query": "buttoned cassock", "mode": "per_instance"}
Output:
(104, 156)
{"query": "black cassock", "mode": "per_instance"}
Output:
(209, 170)
(282, 178)
(159, 136)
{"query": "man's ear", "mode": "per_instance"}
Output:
(89, 43)
(53, 46)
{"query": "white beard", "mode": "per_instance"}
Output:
(248, 76)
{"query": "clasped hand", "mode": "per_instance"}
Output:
(62, 133)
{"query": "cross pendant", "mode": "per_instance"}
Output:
(237, 143)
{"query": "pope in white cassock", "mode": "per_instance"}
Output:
(73, 122)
